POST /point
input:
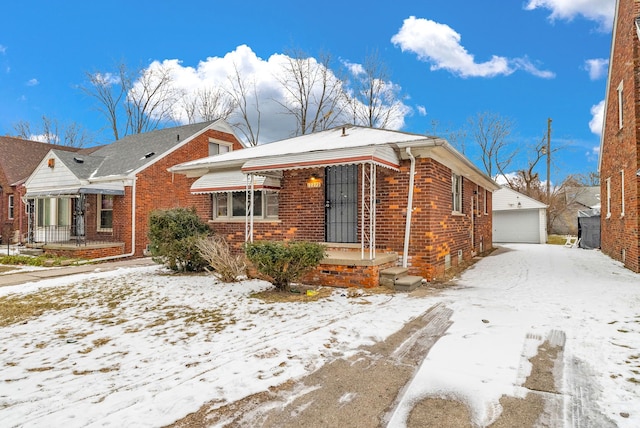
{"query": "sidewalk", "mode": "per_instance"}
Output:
(23, 276)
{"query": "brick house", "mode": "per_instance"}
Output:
(97, 205)
(377, 199)
(619, 163)
(18, 159)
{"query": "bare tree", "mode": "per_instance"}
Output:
(109, 90)
(312, 91)
(150, 99)
(215, 104)
(456, 137)
(133, 102)
(372, 99)
(244, 95)
(51, 132)
(527, 179)
(491, 132)
(205, 104)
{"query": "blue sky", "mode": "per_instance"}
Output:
(526, 60)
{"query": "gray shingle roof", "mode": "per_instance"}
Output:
(130, 153)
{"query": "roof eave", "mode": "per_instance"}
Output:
(443, 152)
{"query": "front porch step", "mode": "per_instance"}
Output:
(32, 251)
(388, 277)
(408, 283)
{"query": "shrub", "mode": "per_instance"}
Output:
(227, 267)
(173, 235)
(284, 262)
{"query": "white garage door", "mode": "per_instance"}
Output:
(522, 226)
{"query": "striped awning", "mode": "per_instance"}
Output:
(384, 156)
(231, 181)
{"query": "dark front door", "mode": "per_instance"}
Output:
(341, 206)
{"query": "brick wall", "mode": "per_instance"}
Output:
(156, 188)
(435, 231)
(620, 238)
(85, 253)
(346, 275)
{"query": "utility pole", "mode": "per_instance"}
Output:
(548, 160)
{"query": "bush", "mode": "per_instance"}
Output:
(173, 235)
(284, 262)
(227, 267)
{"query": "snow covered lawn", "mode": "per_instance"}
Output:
(139, 347)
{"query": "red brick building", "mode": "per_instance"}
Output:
(620, 144)
(376, 198)
(97, 205)
(18, 159)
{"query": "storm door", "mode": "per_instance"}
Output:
(78, 219)
(341, 207)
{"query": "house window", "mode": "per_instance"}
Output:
(486, 205)
(105, 213)
(11, 207)
(271, 204)
(53, 212)
(620, 105)
(608, 181)
(220, 205)
(622, 193)
(456, 191)
(217, 147)
(234, 205)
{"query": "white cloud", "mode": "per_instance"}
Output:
(597, 118)
(3, 49)
(422, 111)
(440, 45)
(600, 11)
(596, 67)
(216, 72)
(44, 138)
(33, 82)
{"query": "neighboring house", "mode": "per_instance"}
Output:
(517, 218)
(619, 163)
(18, 159)
(579, 202)
(377, 198)
(97, 205)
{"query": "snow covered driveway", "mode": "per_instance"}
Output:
(137, 347)
(508, 303)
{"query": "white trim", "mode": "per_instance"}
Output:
(622, 193)
(620, 90)
(11, 201)
(99, 212)
(456, 193)
(608, 183)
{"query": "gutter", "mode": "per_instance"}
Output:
(133, 228)
(407, 227)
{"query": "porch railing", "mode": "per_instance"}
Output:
(71, 235)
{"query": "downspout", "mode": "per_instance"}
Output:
(133, 229)
(407, 226)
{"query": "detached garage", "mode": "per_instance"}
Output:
(518, 218)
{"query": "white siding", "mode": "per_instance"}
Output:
(518, 218)
(45, 177)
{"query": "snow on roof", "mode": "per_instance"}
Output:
(332, 139)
